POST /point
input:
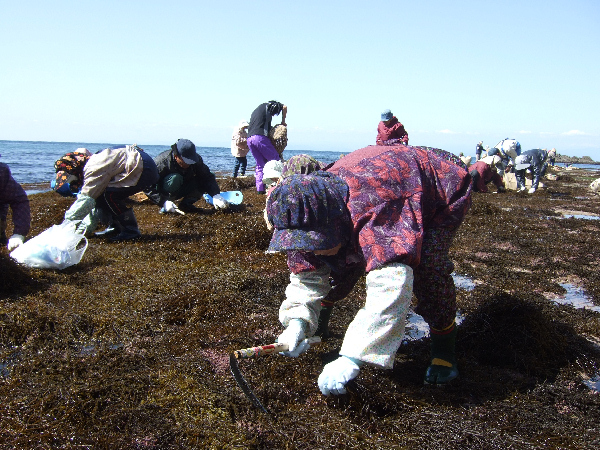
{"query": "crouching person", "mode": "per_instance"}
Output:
(183, 175)
(395, 211)
(110, 176)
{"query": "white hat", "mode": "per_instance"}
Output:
(272, 171)
(491, 160)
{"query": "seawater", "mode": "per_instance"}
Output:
(33, 162)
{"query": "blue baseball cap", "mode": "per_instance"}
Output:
(386, 115)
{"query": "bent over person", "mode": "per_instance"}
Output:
(110, 176)
(395, 210)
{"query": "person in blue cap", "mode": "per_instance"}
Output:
(390, 131)
(182, 174)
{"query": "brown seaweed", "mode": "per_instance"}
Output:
(129, 349)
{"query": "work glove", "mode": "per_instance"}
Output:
(14, 241)
(501, 189)
(294, 335)
(170, 207)
(531, 191)
(337, 373)
(219, 202)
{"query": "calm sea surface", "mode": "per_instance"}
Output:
(33, 162)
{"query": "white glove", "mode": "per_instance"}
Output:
(336, 374)
(14, 241)
(531, 191)
(294, 335)
(170, 207)
(219, 202)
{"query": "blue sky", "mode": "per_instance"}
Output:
(453, 73)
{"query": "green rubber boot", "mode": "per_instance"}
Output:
(323, 324)
(442, 368)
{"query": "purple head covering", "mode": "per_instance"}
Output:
(301, 164)
(309, 213)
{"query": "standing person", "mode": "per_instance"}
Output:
(390, 131)
(478, 150)
(260, 145)
(484, 171)
(183, 174)
(110, 176)
(239, 148)
(12, 195)
(395, 211)
(534, 160)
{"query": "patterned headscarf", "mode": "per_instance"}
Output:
(69, 169)
(302, 165)
(309, 213)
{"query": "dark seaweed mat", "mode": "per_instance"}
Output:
(129, 348)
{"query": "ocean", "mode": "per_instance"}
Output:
(33, 162)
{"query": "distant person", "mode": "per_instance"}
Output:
(13, 195)
(239, 148)
(390, 131)
(107, 178)
(394, 211)
(260, 145)
(478, 150)
(535, 161)
(183, 175)
(483, 172)
(552, 157)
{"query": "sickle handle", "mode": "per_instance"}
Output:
(263, 350)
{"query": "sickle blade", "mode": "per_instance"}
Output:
(239, 378)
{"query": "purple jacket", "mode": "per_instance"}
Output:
(13, 195)
(396, 193)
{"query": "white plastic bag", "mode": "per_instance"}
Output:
(54, 248)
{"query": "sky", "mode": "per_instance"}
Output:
(453, 72)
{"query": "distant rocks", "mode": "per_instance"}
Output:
(575, 159)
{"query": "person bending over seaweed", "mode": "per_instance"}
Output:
(394, 211)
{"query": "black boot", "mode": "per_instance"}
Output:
(113, 228)
(129, 227)
(187, 205)
(442, 368)
(323, 324)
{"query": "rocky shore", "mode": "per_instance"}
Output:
(130, 348)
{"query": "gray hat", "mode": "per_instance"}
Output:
(187, 151)
(386, 115)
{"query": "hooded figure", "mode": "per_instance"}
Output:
(390, 131)
(239, 148)
(393, 211)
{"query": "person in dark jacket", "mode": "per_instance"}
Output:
(183, 175)
(393, 211)
(482, 173)
(535, 161)
(478, 150)
(390, 131)
(260, 145)
(12, 195)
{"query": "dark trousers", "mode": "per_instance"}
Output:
(113, 199)
(240, 163)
